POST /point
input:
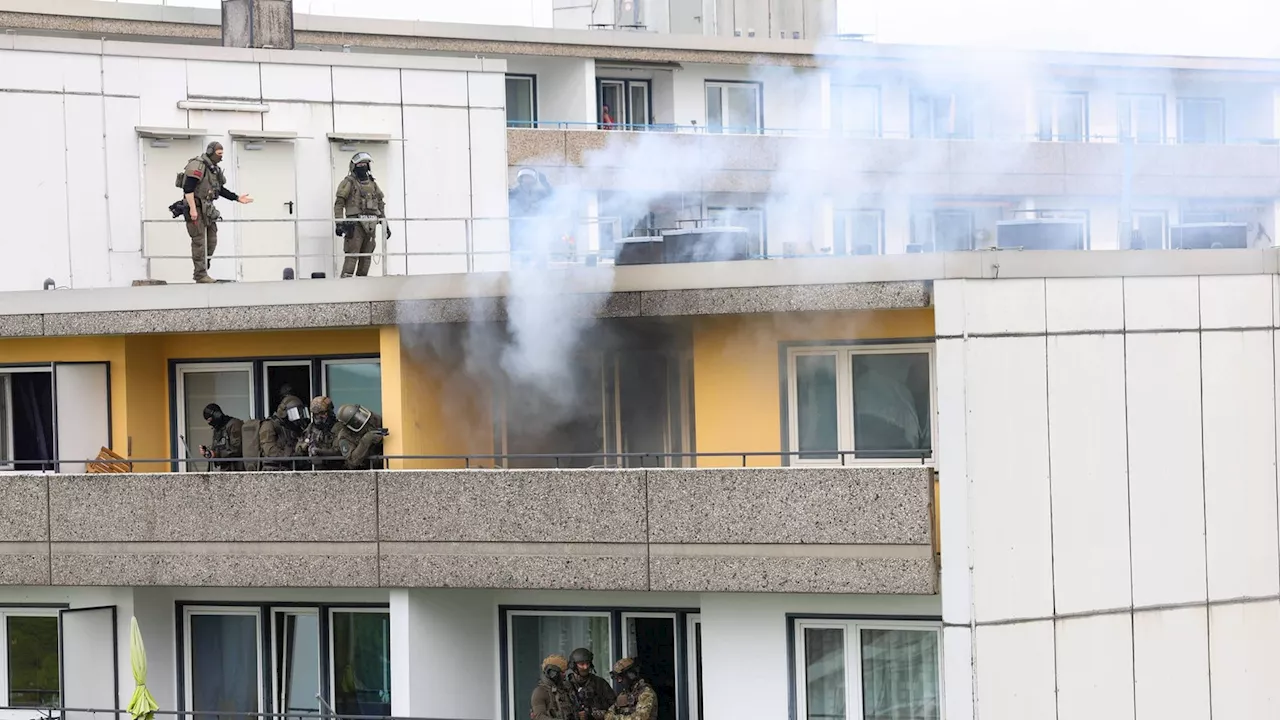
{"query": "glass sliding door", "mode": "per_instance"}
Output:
(354, 381)
(296, 661)
(651, 639)
(534, 635)
(223, 662)
(360, 644)
(230, 385)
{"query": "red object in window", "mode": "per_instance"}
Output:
(606, 119)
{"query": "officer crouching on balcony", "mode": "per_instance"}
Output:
(359, 432)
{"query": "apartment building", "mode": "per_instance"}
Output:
(852, 465)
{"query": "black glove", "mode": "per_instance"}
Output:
(341, 230)
(388, 226)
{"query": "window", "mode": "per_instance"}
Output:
(230, 385)
(866, 670)
(533, 635)
(296, 661)
(354, 381)
(750, 218)
(30, 659)
(1063, 117)
(734, 107)
(858, 232)
(860, 403)
(1197, 217)
(362, 662)
(522, 106)
(1141, 118)
(1201, 121)
(1081, 217)
(223, 661)
(855, 110)
(941, 230)
(627, 104)
(1148, 232)
(941, 116)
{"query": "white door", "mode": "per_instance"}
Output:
(88, 650)
(265, 243)
(341, 154)
(81, 393)
(165, 242)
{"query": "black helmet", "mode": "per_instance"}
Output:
(581, 655)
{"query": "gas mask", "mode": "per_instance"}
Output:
(362, 172)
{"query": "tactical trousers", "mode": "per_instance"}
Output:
(201, 232)
(358, 240)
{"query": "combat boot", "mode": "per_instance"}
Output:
(205, 279)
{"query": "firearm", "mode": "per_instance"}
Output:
(583, 697)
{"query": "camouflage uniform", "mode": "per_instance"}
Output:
(357, 434)
(594, 693)
(363, 199)
(228, 443)
(637, 701)
(204, 231)
(278, 437)
(551, 699)
(319, 441)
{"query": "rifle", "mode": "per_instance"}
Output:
(581, 695)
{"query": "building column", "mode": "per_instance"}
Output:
(444, 654)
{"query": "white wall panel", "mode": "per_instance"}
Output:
(223, 80)
(438, 162)
(88, 229)
(436, 87)
(1004, 306)
(386, 120)
(1244, 656)
(1095, 668)
(1171, 664)
(437, 246)
(488, 163)
(1088, 463)
(315, 184)
(953, 455)
(1161, 303)
(948, 307)
(38, 233)
(1015, 671)
(22, 70)
(366, 85)
(1240, 463)
(122, 75)
(1165, 467)
(487, 90)
(1235, 301)
(165, 83)
(1082, 304)
(80, 73)
(1008, 436)
(296, 82)
(957, 673)
(124, 175)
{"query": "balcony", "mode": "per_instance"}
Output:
(834, 530)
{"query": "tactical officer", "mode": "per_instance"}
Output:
(525, 202)
(318, 442)
(551, 699)
(227, 442)
(278, 436)
(595, 694)
(359, 429)
(359, 197)
(203, 182)
(637, 701)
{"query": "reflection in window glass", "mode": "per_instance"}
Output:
(362, 663)
(900, 675)
(230, 389)
(533, 637)
(891, 404)
(824, 673)
(357, 383)
(817, 407)
(33, 660)
(224, 664)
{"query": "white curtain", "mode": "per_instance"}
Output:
(900, 675)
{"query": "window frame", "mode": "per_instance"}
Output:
(533, 100)
(1052, 102)
(188, 611)
(7, 611)
(326, 363)
(674, 617)
(328, 621)
(1129, 98)
(179, 424)
(737, 210)
(509, 660)
(838, 91)
(843, 245)
(1164, 226)
(965, 115)
(933, 213)
(723, 86)
(277, 689)
(853, 626)
(1221, 104)
(626, 120)
(845, 433)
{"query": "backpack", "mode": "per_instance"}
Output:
(250, 447)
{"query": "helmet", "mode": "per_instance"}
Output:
(355, 417)
(554, 665)
(625, 666)
(581, 655)
(358, 159)
(321, 404)
(292, 409)
(526, 173)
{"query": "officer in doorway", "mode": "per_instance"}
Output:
(360, 201)
(202, 184)
(227, 441)
(637, 701)
(595, 694)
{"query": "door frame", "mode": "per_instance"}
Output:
(241, 143)
(187, 611)
(693, 648)
(680, 668)
(277, 690)
(626, 121)
(178, 422)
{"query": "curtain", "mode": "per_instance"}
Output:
(900, 675)
(224, 664)
(825, 673)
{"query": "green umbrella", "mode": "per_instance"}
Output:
(141, 706)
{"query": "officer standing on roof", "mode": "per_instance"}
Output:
(595, 694)
(359, 197)
(203, 182)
